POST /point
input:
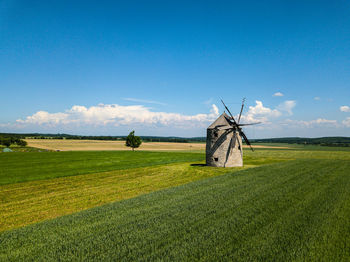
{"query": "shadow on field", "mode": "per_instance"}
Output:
(198, 165)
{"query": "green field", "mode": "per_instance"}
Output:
(65, 193)
(284, 205)
(24, 166)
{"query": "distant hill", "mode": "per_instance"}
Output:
(324, 141)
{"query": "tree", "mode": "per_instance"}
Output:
(133, 141)
(6, 142)
(21, 142)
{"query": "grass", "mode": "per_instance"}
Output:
(306, 153)
(26, 203)
(51, 198)
(296, 210)
(301, 147)
(28, 166)
(293, 205)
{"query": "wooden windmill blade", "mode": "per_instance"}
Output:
(233, 119)
(237, 126)
(231, 146)
(250, 124)
(220, 141)
(224, 128)
(222, 137)
(246, 139)
(240, 113)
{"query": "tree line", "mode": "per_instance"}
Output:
(108, 138)
(8, 141)
(322, 141)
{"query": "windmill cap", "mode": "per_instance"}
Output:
(222, 120)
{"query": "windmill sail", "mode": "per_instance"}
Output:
(240, 113)
(224, 140)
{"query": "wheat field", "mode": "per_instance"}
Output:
(101, 145)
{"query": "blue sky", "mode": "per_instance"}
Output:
(161, 67)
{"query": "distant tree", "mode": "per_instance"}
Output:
(6, 142)
(133, 141)
(21, 142)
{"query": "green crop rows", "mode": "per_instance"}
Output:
(290, 205)
(21, 167)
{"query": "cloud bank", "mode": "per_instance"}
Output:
(312, 123)
(117, 115)
(260, 113)
(114, 118)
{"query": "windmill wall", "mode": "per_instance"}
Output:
(217, 149)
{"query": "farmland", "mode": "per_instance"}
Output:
(21, 167)
(93, 145)
(285, 204)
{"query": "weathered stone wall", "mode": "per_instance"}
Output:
(217, 149)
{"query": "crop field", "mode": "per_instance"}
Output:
(283, 205)
(92, 145)
(101, 145)
(21, 167)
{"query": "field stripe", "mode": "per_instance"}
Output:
(29, 166)
(31, 202)
(296, 210)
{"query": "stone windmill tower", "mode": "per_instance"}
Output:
(224, 141)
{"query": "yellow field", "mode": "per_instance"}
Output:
(82, 145)
(98, 145)
(29, 202)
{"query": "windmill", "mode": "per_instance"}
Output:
(224, 140)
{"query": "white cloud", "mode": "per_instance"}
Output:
(214, 110)
(278, 94)
(287, 106)
(143, 101)
(317, 98)
(322, 121)
(310, 123)
(259, 113)
(43, 117)
(346, 122)
(345, 108)
(259, 109)
(117, 115)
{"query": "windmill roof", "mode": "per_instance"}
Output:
(222, 120)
